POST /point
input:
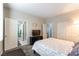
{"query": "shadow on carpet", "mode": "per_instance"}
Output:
(17, 52)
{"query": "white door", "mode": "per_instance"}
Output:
(10, 33)
(61, 30)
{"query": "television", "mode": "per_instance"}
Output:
(35, 32)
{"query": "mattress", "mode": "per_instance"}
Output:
(53, 47)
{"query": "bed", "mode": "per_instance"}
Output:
(53, 47)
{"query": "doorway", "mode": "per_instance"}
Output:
(21, 33)
(47, 30)
(14, 33)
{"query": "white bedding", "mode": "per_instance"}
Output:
(53, 47)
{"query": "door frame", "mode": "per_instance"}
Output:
(3, 43)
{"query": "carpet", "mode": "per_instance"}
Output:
(17, 52)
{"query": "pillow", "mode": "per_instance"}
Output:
(75, 51)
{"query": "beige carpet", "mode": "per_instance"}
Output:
(25, 50)
(16, 52)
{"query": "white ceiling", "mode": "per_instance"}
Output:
(43, 10)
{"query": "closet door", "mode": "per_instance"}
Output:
(61, 30)
(10, 33)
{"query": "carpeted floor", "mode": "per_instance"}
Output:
(17, 52)
(25, 50)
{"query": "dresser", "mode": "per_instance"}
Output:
(33, 39)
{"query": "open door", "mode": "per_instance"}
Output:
(10, 33)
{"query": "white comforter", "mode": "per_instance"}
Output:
(53, 47)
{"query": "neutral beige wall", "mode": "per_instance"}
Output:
(64, 27)
(1, 34)
(1, 47)
(33, 21)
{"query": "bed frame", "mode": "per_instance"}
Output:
(35, 53)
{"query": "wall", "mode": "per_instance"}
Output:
(1, 47)
(33, 22)
(1, 33)
(64, 27)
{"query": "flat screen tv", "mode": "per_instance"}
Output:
(35, 32)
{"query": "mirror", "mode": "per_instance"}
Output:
(21, 32)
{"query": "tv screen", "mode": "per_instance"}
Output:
(35, 32)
